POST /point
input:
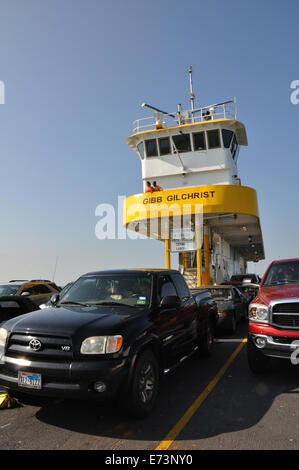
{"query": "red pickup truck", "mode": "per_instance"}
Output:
(274, 317)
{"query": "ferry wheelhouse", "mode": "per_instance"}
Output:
(198, 206)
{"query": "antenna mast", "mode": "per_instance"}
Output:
(192, 96)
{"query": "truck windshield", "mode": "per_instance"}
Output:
(282, 273)
(122, 289)
(8, 289)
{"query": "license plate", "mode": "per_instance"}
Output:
(29, 380)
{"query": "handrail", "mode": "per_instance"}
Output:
(225, 110)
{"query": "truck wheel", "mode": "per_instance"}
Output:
(144, 385)
(206, 342)
(257, 362)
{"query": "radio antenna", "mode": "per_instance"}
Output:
(192, 96)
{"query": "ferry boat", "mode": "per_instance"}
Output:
(192, 198)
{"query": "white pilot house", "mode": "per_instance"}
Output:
(195, 202)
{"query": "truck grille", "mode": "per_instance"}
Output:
(286, 314)
(286, 308)
(52, 347)
(288, 321)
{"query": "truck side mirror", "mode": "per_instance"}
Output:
(54, 299)
(26, 294)
(170, 301)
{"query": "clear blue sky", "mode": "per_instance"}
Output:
(76, 73)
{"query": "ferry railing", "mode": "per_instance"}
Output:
(226, 110)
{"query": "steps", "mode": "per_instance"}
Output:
(190, 276)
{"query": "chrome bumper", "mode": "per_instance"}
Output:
(274, 348)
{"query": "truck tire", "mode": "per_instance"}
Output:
(206, 341)
(144, 387)
(257, 361)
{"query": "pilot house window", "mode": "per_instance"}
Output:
(227, 137)
(151, 148)
(199, 141)
(140, 148)
(213, 139)
(182, 142)
(164, 146)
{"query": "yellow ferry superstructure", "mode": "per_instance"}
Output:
(203, 212)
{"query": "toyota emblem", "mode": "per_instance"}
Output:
(35, 344)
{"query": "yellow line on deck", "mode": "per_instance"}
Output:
(175, 431)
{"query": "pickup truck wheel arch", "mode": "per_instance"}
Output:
(151, 344)
(144, 384)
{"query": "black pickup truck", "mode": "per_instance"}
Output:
(114, 333)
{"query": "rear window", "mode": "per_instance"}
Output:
(238, 278)
(221, 294)
(244, 277)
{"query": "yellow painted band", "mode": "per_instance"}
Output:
(175, 431)
(215, 199)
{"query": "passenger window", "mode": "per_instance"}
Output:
(182, 287)
(182, 142)
(31, 290)
(213, 139)
(166, 287)
(164, 146)
(140, 148)
(42, 289)
(151, 148)
(199, 141)
(227, 137)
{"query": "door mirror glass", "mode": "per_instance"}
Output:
(54, 299)
(170, 301)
